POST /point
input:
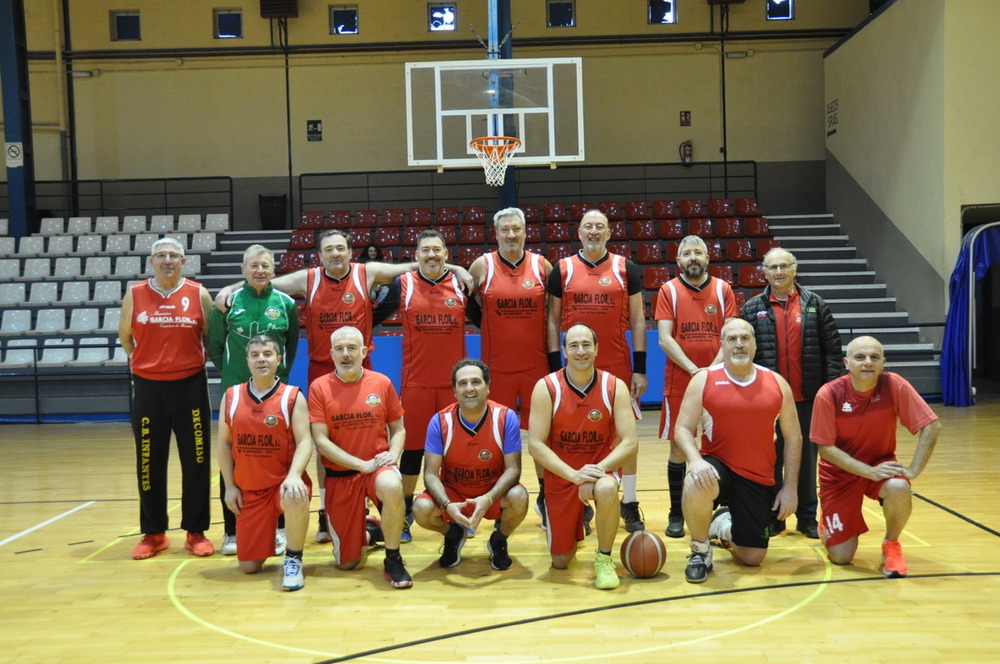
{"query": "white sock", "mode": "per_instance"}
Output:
(322, 499)
(628, 489)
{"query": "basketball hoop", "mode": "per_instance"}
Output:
(494, 154)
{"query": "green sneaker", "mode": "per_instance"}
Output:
(605, 575)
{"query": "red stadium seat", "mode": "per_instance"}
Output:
(555, 232)
(394, 320)
(291, 261)
(665, 210)
(365, 218)
(619, 231)
(387, 255)
(636, 210)
(533, 233)
(474, 234)
(671, 229)
(303, 313)
(339, 219)
(740, 251)
(554, 212)
(302, 239)
(764, 246)
(410, 234)
(654, 277)
(728, 227)
(314, 260)
(756, 227)
(466, 255)
(621, 248)
(446, 216)
(474, 214)
(644, 230)
(387, 237)
(746, 207)
(419, 216)
(723, 272)
(648, 252)
(312, 219)
(673, 248)
(406, 255)
(719, 207)
(703, 228)
(532, 213)
(714, 250)
(556, 251)
(577, 210)
(449, 233)
(394, 218)
(361, 236)
(611, 210)
(740, 297)
(692, 208)
(752, 276)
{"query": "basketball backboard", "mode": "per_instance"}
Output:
(539, 101)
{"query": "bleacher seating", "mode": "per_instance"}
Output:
(393, 218)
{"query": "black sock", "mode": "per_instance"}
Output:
(604, 553)
(675, 483)
(408, 500)
(391, 553)
(294, 554)
(499, 534)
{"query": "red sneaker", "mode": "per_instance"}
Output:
(893, 562)
(150, 545)
(197, 544)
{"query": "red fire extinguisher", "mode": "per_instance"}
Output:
(686, 151)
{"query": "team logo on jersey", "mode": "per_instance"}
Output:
(143, 318)
(450, 302)
(711, 310)
(271, 421)
(528, 283)
(846, 408)
(348, 298)
(604, 281)
(373, 400)
(595, 415)
(485, 455)
(272, 313)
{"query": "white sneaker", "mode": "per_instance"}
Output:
(722, 522)
(229, 545)
(280, 541)
(294, 579)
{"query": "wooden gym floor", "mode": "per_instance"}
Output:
(70, 592)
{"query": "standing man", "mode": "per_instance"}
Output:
(582, 430)
(690, 312)
(433, 309)
(264, 450)
(472, 468)
(854, 424)
(798, 338)
(511, 286)
(256, 308)
(357, 427)
(739, 402)
(164, 323)
(603, 291)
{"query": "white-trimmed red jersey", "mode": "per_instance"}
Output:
(583, 424)
(597, 295)
(167, 330)
(473, 459)
(261, 435)
(513, 302)
(336, 303)
(433, 315)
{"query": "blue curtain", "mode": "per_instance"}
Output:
(955, 378)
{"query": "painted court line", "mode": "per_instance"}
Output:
(45, 523)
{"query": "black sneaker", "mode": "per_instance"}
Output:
(632, 516)
(808, 528)
(454, 540)
(395, 572)
(373, 527)
(699, 567)
(499, 558)
(540, 510)
(588, 516)
(675, 526)
(776, 528)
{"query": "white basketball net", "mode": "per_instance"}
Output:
(494, 154)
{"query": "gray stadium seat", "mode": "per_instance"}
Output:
(36, 268)
(189, 223)
(32, 245)
(44, 292)
(89, 245)
(50, 321)
(217, 222)
(75, 292)
(117, 244)
(93, 351)
(52, 226)
(106, 225)
(79, 226)
(83, 320)
(15, 321)
(12, 294)
(134, 224)
(59, 245)
(56, 353)
(107, 292)
(10, 269)
(20, 353)
(67, 268)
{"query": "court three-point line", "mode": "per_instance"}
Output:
(46, 522)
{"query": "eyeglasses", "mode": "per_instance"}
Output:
(781, 267)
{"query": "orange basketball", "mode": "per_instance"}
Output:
(643, 554)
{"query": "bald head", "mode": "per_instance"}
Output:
(865, 361)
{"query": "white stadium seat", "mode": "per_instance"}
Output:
(75, 292)
(52, 226)
(79, 226)
(56, 353)
(119, 243)
(128, 267)
(82, 320)
(189, 223)
(89, 245)
(59, 244)
(107, 292)
(20, 353)
(36, 268)
(217, 222)
(15, 321)
(50, 321)
(44, 292)
(32, 245)
(12, 294)
(93, 350)
(111, 319)
(106, 225)
(67, 268)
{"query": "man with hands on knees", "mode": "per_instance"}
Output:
(264, 450)
(472, 468)
(739, 402)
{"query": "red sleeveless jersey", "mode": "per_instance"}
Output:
(583, 426)
(167, 330)
(336, 303)
(473, 460)
(433, 314)
(739, 422)
(597, 295)
(261, 433)
(513, 301)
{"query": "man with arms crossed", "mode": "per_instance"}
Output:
(739, 402)
(472, 464)
(264, 450)
(582, 429)
(854, 424)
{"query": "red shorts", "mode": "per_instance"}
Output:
(564, 513)
(257, 522)
(345, 511)
(514, 390)
(420, 404)
(668, 416)
(840, 495)
(319, 369)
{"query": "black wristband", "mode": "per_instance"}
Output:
(639, 362)
(555, 360)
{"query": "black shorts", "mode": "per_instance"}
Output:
(750, 504)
